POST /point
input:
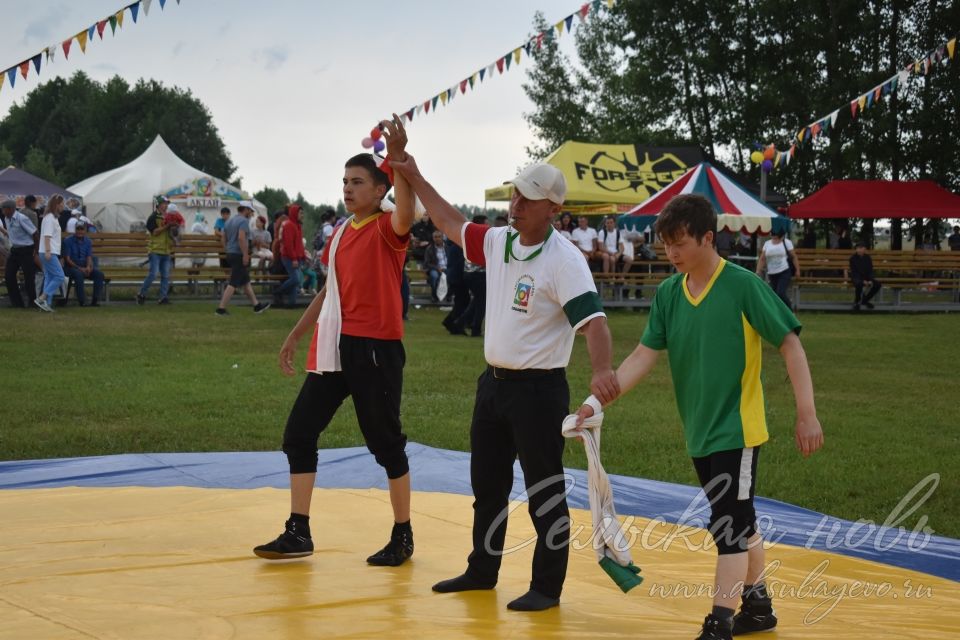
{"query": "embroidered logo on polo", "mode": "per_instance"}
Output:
(523, 294)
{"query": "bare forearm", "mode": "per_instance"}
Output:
(446, 218)
(599, 344)
(309, 317)
(403, 217)
(635, 367)
(798, 369)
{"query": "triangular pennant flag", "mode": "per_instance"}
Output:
(862, 101)
(36, 62)
(426, 107)
(12, 76)
(815, 129)
(82, 39)
(3, 77)
(92, 29)
(853, 109)
(584, 10)
(869, 100)
(833, 118)
(66, 48)
(527, 47)
(433, 102)
(409, 114)
(507, 58)
(516, 55)
(926, 66)
(893, 82)
(146, 6)
(452, 92)
(559, 28)
(444, 96)
(163, 2)
(548, 35)
(793, 149)
(49, 51)
(596, 5)
(24, 68)
(916, 67)
(539, 41)
(903, 76)
(100, 27)
(951, 46)
(500, 65)
(876, 93)
(776, 159)
(472, 80)
(463, 85)
(610, 4)
(119, 15)
(134, 8)
(113, 25)
(483, 72)
(420, 108)
(568, 22)
(801, 134)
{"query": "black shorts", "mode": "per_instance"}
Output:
(239, 274)
(729, 480)
(373, 376)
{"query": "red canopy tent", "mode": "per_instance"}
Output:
(878, 199)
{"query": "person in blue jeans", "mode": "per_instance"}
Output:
(78, 260)
(159, 246)
(50, 254)
(291, 255)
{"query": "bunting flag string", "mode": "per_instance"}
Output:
(501, 65)
(822, 126)
(83, 38)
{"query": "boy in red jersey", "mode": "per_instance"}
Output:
(356, 351)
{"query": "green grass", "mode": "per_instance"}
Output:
(149, 379)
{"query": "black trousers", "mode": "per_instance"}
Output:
(859, 298)
(520, 417)
(373, 376)
(472, 316)
(21, 258)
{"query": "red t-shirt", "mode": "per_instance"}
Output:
(370, 260)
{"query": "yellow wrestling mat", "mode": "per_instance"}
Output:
(176, 563)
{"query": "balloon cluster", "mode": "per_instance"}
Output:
(374, 140)
(764, 158)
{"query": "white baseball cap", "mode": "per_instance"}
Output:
(245, 204)
(172, 208)
(541, 182)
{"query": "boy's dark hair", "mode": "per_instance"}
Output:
(30, 201)
(479, 219)
(501, 218)
(224, 210)
(365, 160)
(690, 213)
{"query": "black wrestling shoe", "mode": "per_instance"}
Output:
(289, 544)
(397, 551)
(756, 614)
(715, 628)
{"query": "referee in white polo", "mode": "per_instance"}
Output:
(539, 294)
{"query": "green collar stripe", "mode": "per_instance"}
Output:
(582, 306)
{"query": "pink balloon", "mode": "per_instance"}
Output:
(378, 146)
(367, 143)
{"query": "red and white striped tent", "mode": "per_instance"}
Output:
(737, 209)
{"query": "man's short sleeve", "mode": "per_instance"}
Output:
(245, 227)
(577, 293)
(471, 238)
(767, 313)
(655, 334)
(390, 237)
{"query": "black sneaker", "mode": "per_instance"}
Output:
(397, 551)
(289, 544)
(261, 307)
(868, 305)
(163, 301)
(756, 614)
(222, 312)
(141, 299)
(715, 628)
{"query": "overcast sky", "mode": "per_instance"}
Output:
(294, 86)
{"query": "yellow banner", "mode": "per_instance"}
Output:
(612, 173)
(82, 39)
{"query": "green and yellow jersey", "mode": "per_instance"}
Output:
(713, 342)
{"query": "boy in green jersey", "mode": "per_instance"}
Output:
(711, 317)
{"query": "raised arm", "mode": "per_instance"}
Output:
(445, 217)
(396, 137)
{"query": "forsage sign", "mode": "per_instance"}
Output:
(627, 174)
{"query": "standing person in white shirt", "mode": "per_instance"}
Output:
(585, 237)
(777, 255)
(50, 253)
(539, 295)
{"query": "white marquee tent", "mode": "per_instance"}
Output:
(121, 199)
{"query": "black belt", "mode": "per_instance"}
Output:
(520, 374)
